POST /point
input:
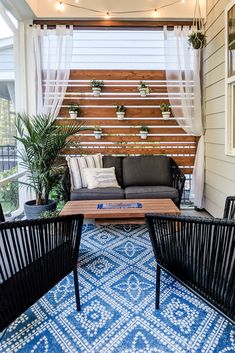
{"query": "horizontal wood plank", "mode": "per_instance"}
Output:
(138, 150)
(185, 138)
(133, 130)
(115, 88)
(115, 122)
(118, 75)
(111, 112)
(112, 23)
(114, 102)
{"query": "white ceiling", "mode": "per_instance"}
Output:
(181, 10)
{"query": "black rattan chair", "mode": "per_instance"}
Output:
(34, 256)
(199, 253)
(229, 208)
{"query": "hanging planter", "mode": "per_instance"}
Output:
(121, 110)
(197, 39)
(96, 87)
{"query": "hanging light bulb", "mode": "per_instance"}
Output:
(107, 15)
(60, 6)
(77, 1)
(155, 13)
(183, 1)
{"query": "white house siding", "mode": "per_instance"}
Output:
(6, 59)
(220, 168)
(99, 49)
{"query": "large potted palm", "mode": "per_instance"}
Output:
(41, 142)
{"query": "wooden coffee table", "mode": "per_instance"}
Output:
(119, 215)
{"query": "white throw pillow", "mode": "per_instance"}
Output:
(76, 169)
(100, 178)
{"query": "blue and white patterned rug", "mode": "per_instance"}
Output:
(117, 288)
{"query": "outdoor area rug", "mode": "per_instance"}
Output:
(117, 289)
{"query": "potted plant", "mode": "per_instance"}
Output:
(197, 40)
(96, 87)
(121, 110)
(97, 132)
(166, 110)
(144, 130)
(42, 141)
(143, 89)
(73, 110)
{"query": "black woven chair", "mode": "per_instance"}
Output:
(34, 256)
(229, 208)
(199, 253)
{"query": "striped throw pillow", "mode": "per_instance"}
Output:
(101, 178)
(76, 169)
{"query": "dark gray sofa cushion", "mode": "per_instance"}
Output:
(147, 171)
(112, 161)
(151, 192)
(97, 194)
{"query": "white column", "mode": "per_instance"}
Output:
(23, 88)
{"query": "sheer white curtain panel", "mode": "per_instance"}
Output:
(53, 50)
(183, 70)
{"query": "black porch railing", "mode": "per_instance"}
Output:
(8, 157)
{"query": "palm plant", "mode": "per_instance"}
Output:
(42, 141)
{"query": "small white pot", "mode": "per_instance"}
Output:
(143, 92)
(73, 115)
(96, 91)
(98, 134)
(143, 135)
(166, 115)
(120, 115)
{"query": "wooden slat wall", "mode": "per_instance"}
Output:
(122, 137)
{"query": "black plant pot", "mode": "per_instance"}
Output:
(33, 211)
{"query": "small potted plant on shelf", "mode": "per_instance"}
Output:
(197, 40)
(96, 87)
(121, 110)
(97, 132)
(73, 110)
(143, 89)
(144, 130)
(166, 110)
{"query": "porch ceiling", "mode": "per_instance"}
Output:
(47, 9)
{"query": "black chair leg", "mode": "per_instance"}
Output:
(158, 275)
(76, 286)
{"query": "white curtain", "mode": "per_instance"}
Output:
(11, 90)
(183, 65)
(53, 50)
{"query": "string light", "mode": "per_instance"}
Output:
(60, 6)
(107, 15)
(155, 11)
